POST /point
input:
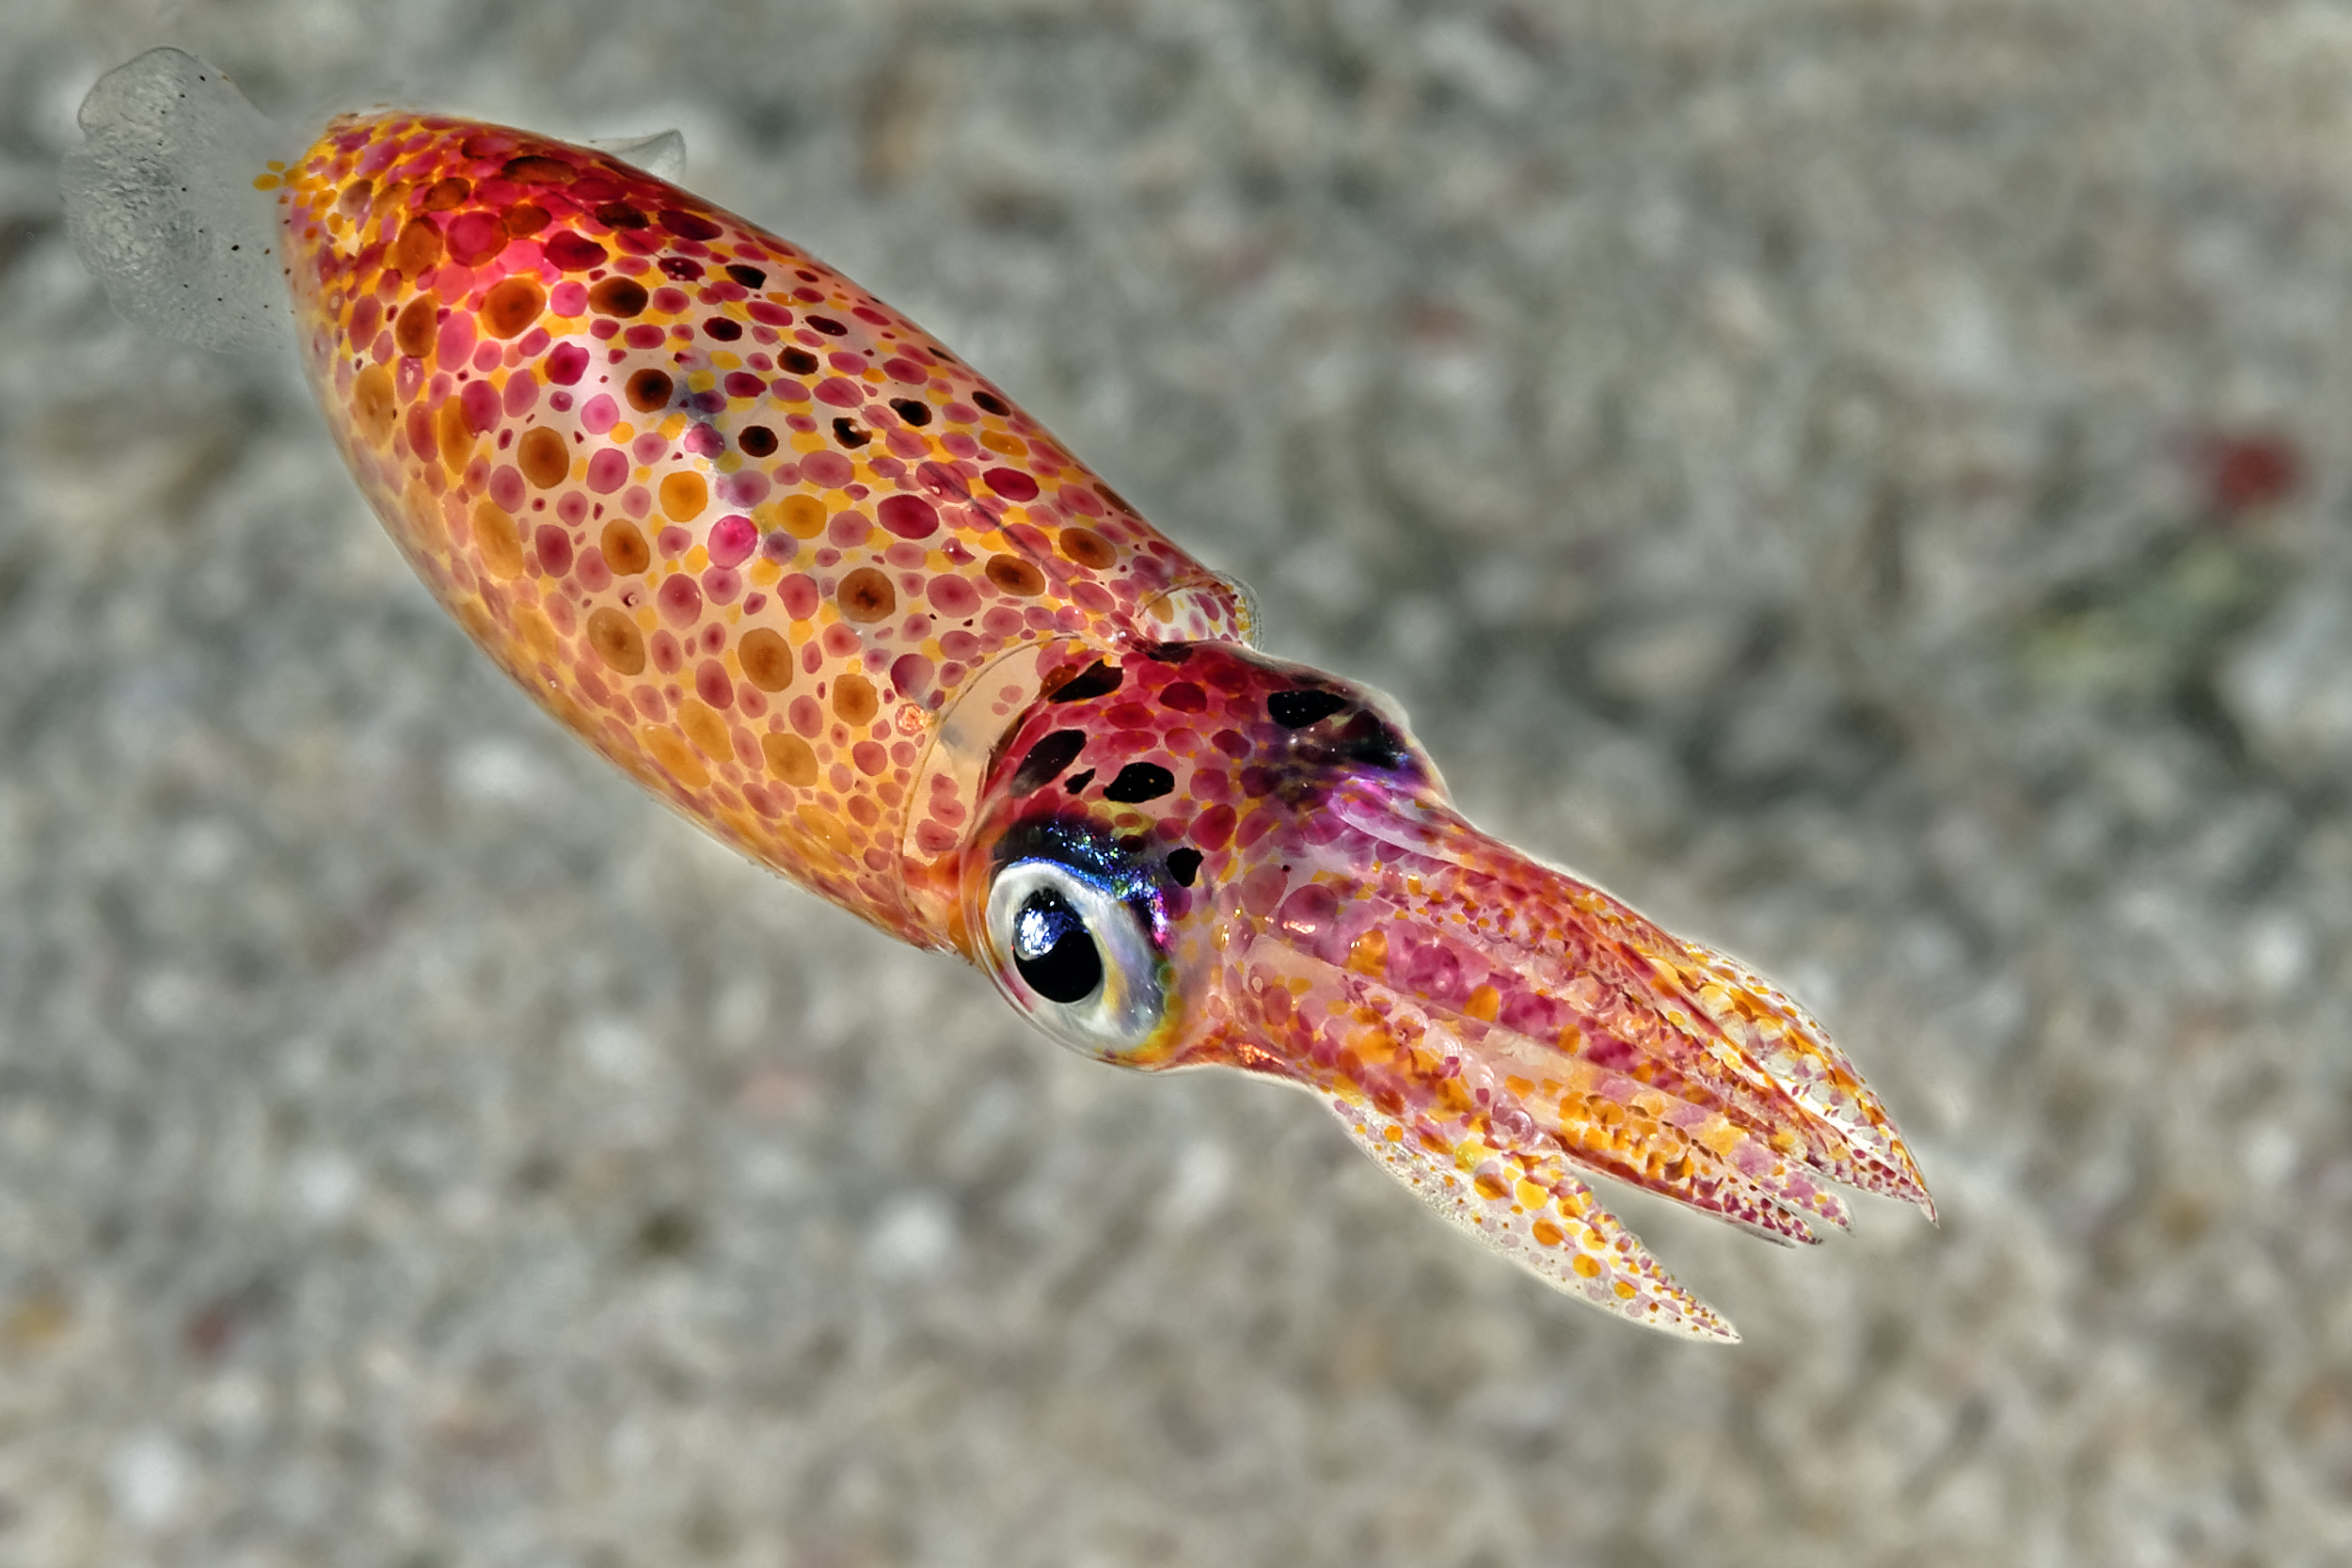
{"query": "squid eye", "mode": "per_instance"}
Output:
(1077, 957)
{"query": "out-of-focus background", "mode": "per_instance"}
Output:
(1864, 479)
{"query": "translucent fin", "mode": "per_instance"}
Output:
(161, 206)
(1543, 1219)
(662, 154)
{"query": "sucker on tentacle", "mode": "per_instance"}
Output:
(779, 554)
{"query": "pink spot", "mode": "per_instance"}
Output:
(774, 315)
(731, 540)
(568, 298)
(841, 393)
(594, 575)
(506, 487)
(649, 446)
(673, 542)
(522, 391)
(599, 413)
(608, 467)
(680, 598)
(574, 253)
(486, 357)
(1012, 484)
(567, 363)
(849, 529)
(1079, 499)
(906, 370)
(743, 384)
(745, 487)
(480, 403)
(555, 549)
(807, 717)
(908, 516)
(456, 337)
(474, 238)
(798, 595)
(829, 469)
(722, 583)
(788, 390)
(711, 684)
(911, 674)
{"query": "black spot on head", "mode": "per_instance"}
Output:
(757, 440)
(1046, 759)
(1076, 782)
(914, 410)
(798, 360)
(1168, 653)
(991, 402)
(1295, 710)
(751, 277)
(828, 326)
(848, 434)
(1097, 679)
(681, 269)
(1183, 864)
(1139, 781)
(721, 329)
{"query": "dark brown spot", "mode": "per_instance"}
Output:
(532, 169)
(1015, 576)
(417, 247)
(799, 361)
(751, 277)
(1097, 679)
(617, 296)
(647, 389)
(866, 595)
(442, 195)
(991, 402)
(727, 331)
(1087, 547)
(619, 214)
(510, 307)
(848, 434)
(525, 218)
(688, 226)
(413, 329)
(1183, 864)
(680, 269)
(828, 326)
(914, 410)
(1139, 781)
(1295, 710)
(1046, 760)
(1183, 696)
(757, 440)
(1078, 782)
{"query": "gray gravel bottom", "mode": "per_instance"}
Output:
(1864, 480)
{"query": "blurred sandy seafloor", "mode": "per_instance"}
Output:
(1864, 479)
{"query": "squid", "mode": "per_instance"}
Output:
(823, 589)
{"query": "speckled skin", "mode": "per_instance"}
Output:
(772, 548)
(739, 526)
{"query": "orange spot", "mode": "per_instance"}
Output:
(543, 457)
(617, 640)
(825, 827)
(789, 758)
(373, 405)
(853, 699)
(1548, 1233)
(456, 439)
(625, 548)
(684, 495)
(766, 660)
(417, 247)
(495, 540)
(801, 516)
(705, 728)
(1484, 1004)
(671, 753)
(1012, 445)
(1584, 1264)
(1369, 955)
(1490, 1186)
(1624, 1290)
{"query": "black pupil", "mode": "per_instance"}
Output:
(1052, 950)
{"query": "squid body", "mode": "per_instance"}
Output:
(772, 548)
